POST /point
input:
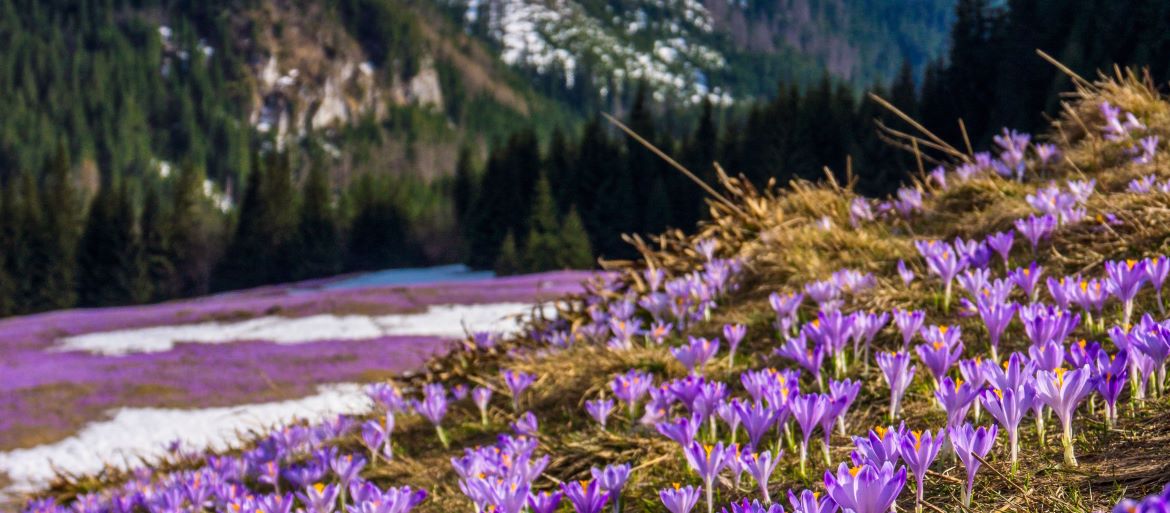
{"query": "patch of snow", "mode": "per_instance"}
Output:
(136, 434)
(446, 321)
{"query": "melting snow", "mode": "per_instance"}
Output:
(447, 321)
(136, 434)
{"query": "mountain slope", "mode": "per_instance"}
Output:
(716, 49)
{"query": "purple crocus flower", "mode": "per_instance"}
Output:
(757, 418)
(943, 261)
(938, 356)
(810, 502)
(785, 305)
(1045, 152)
(707, 461)
(733, 334)
(807, 410)
(599, 409)
(866, 326)
(1063, 391)
(1036, 229)
(996, 317)
(545, 502)
(1008, 406)
(1124, 280)
(711, 394)
(695, 354)
(909, 322)
(1026, 279)
(908, 201)
(1157, 269)
(1045, 324)
(319, 498)
(682, 430)
(1146, 149)
(347, 467)
(898, 373)
(517, 383)
(761, 465)
(1001, 243)
(811, 359)
(433, 407)
(679, 499)
(631, 387)
(482, 396)
(956, 398)
(376, 439)
(906, 274)
(612, 479)
(842, 394)
(586, 496)
(1109, 373)
(919, 451)
(880, 446)
(968, 443)
(866, 488)
(1048, 355)
(526, 424)
(860, 211)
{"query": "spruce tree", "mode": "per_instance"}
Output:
(190, 229)
(157, 256)
(321, 253)
(56, 267)
(576, 252)
(109, 253)
(378, 236)
(542, 246)
(8, 289)
(508, 261)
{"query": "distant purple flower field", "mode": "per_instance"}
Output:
(48, 394)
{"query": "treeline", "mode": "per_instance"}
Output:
(991, 78)
(618, 186)
(130, 244)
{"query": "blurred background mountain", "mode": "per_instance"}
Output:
(160, 149)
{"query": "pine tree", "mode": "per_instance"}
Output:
(463, 190)
(378, 236)
(157, 256)
(542, 247)
(56, 267)
(109, 253)
(190, 230)
(508, 261)
(8, 247)
(576, 252)
(321, 254)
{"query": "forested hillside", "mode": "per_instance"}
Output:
(153, 149)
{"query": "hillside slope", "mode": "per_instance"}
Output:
(813, 274)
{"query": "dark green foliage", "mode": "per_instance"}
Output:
(463, 190)
(507, 259)
(156, 248)
(542, 247)
(319, 240)
(575, 249)
(109, 259)
(378, 238)
(504, 199)
(192, 235)
(994, 78)
(53, 238)
(387, 31)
